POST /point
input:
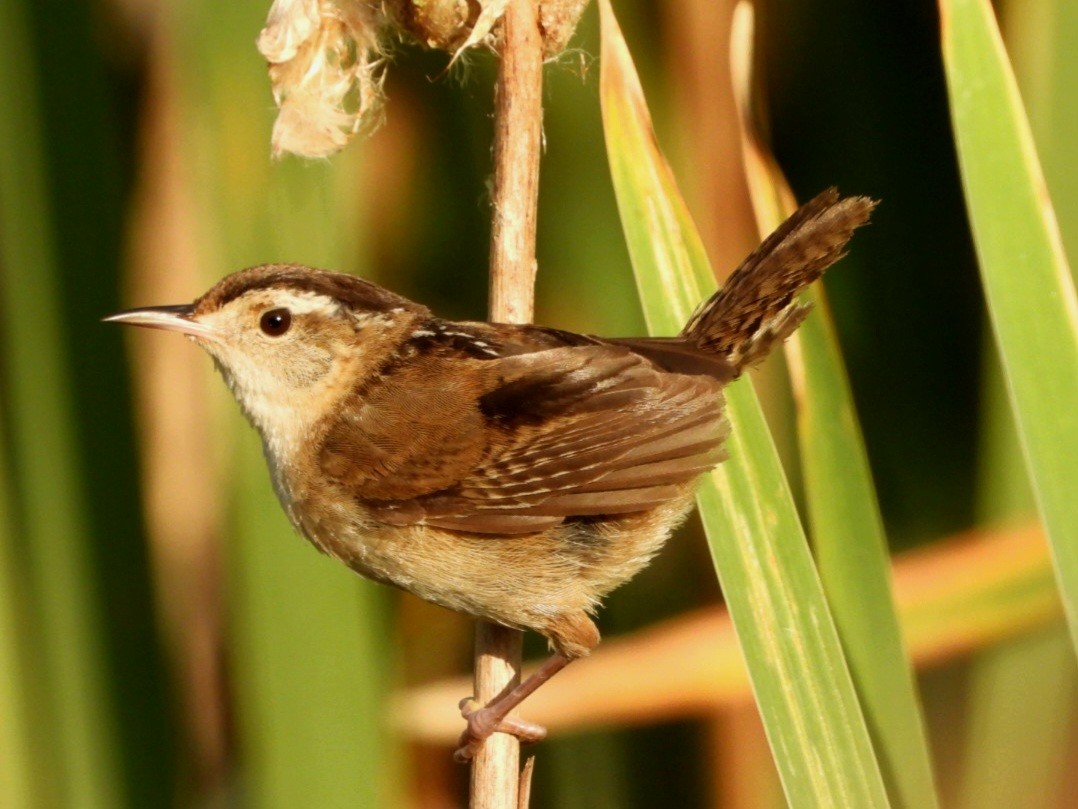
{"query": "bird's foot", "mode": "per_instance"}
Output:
(483, 722)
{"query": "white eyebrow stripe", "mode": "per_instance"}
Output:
(298, 301)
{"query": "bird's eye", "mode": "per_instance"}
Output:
(275, 322)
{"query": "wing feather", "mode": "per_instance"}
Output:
(564, 432)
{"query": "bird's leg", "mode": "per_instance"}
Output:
(494, 718)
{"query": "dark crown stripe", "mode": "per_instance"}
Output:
(349, 290)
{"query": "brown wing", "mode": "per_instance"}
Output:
(557, 433)
(403, 437)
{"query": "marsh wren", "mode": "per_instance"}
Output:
(512, 472)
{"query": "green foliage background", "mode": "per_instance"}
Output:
(92, 711)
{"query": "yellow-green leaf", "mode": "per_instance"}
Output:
(1027, 282)
(795, 661)
(847, 529)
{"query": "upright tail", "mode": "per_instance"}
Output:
(756, 308)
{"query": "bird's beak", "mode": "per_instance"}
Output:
(170, 318)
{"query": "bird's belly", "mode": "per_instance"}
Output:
(519, 581)
(524, 581)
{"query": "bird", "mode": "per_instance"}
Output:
(517, 473)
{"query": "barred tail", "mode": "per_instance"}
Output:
(756, 307)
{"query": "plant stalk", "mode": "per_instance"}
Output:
(518, 124)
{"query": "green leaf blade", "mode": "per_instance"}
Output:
(796, 664)
(847, 527)
(1027, 282)
(851, 551)
(71, 701)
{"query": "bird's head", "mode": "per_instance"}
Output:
(289, 340)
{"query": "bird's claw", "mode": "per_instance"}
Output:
(484, 722)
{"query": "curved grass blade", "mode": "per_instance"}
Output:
(847, 529)
(19, 766)
(51, 513)
(1027, 282)
(796, 665)
(1023, 693)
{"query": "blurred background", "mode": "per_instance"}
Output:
(165, 638)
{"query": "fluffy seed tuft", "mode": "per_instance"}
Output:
(327, 57)
(326, 71)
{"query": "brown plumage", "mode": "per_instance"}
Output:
(517, 473)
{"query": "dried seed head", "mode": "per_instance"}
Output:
(442, 24)
(326, 58)
(558, 19)
(455, 25)
(448, 25)
(326, 72)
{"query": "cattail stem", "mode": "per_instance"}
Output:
(518, 123)
(518, 132)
